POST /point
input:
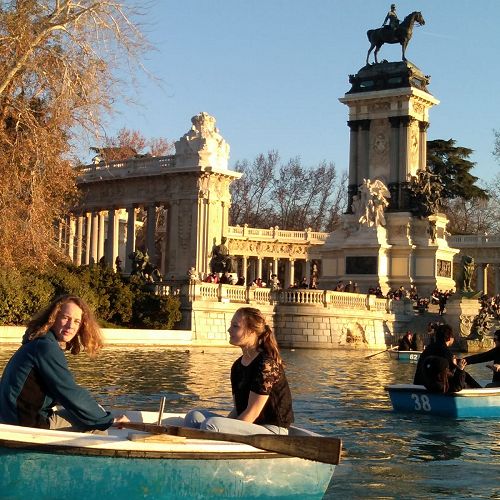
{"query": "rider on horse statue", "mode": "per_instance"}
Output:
(392, 17)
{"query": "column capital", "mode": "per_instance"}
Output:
(407, 120)
(423, 126)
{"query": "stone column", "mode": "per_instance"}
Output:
(353, 153)
(275, 265)
(394, 152)
(422, 161)
(308, 271)
(404, 147)
(259, 267)
(79, 240)
(290, 273)
(112, 240)
(100, 240)
(363, 149)
(130, 245)
(71, 239)
(150, 233)
(88, 225)
(485, 278)
(244, 268)
(94, 236)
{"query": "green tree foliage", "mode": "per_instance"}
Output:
(451, 163)
(115, 300)
(287, 195)
(151, 310)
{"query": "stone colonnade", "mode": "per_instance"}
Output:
(261, 253)
(109, 233)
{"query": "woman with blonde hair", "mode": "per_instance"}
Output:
(37, 376)
(261, 395)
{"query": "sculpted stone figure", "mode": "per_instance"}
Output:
(426, 192)
(467, 272)
(221, 261)
(399, 33)
(202, 144)
(369, 205)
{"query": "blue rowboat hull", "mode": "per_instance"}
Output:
(48, 476)
(409, 398)
(43, 464)
(405, 356)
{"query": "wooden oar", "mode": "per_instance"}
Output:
(317, 448)
(377, 353)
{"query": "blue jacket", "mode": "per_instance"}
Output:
(35, 379)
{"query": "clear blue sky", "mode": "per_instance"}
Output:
(271, 72)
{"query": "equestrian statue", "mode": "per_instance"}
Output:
(395, 32)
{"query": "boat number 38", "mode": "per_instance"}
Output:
(421, 402)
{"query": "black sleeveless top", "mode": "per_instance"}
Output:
(267, 377)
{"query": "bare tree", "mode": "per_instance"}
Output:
(474, 216)
(286, 195)
(131, 143)
(496, 146)
(57, 77)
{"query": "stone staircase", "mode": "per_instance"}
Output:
(419, 322)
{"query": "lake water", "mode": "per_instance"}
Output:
(335, 392)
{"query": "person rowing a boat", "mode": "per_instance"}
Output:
(437, 376)
(261, 395)
(491, 355)
(441, 347)
(405, 343)
(37, 376)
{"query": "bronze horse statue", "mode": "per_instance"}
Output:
(402, 34)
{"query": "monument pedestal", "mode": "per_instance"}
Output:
(460, 314)
(407, 251)
(388, 238)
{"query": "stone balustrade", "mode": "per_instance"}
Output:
(139, 167)
(276, 234)
(213, 292)
(473, 241)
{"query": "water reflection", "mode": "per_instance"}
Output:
(340, 393)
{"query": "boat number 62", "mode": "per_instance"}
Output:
(421, 402)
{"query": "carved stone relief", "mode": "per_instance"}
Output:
(379, 149)
(268, 249)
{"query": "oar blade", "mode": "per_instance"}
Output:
(316, 448)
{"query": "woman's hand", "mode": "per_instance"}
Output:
(120, 419)
(494, 367)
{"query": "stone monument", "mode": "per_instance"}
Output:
(393, 233)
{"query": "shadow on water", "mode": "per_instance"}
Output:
(340, 393)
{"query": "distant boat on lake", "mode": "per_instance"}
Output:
(405, 356)
(466, 403)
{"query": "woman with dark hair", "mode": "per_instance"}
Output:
(261, 395)
(37, 376)
(491, 355)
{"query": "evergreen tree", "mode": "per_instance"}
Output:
(451, 163)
